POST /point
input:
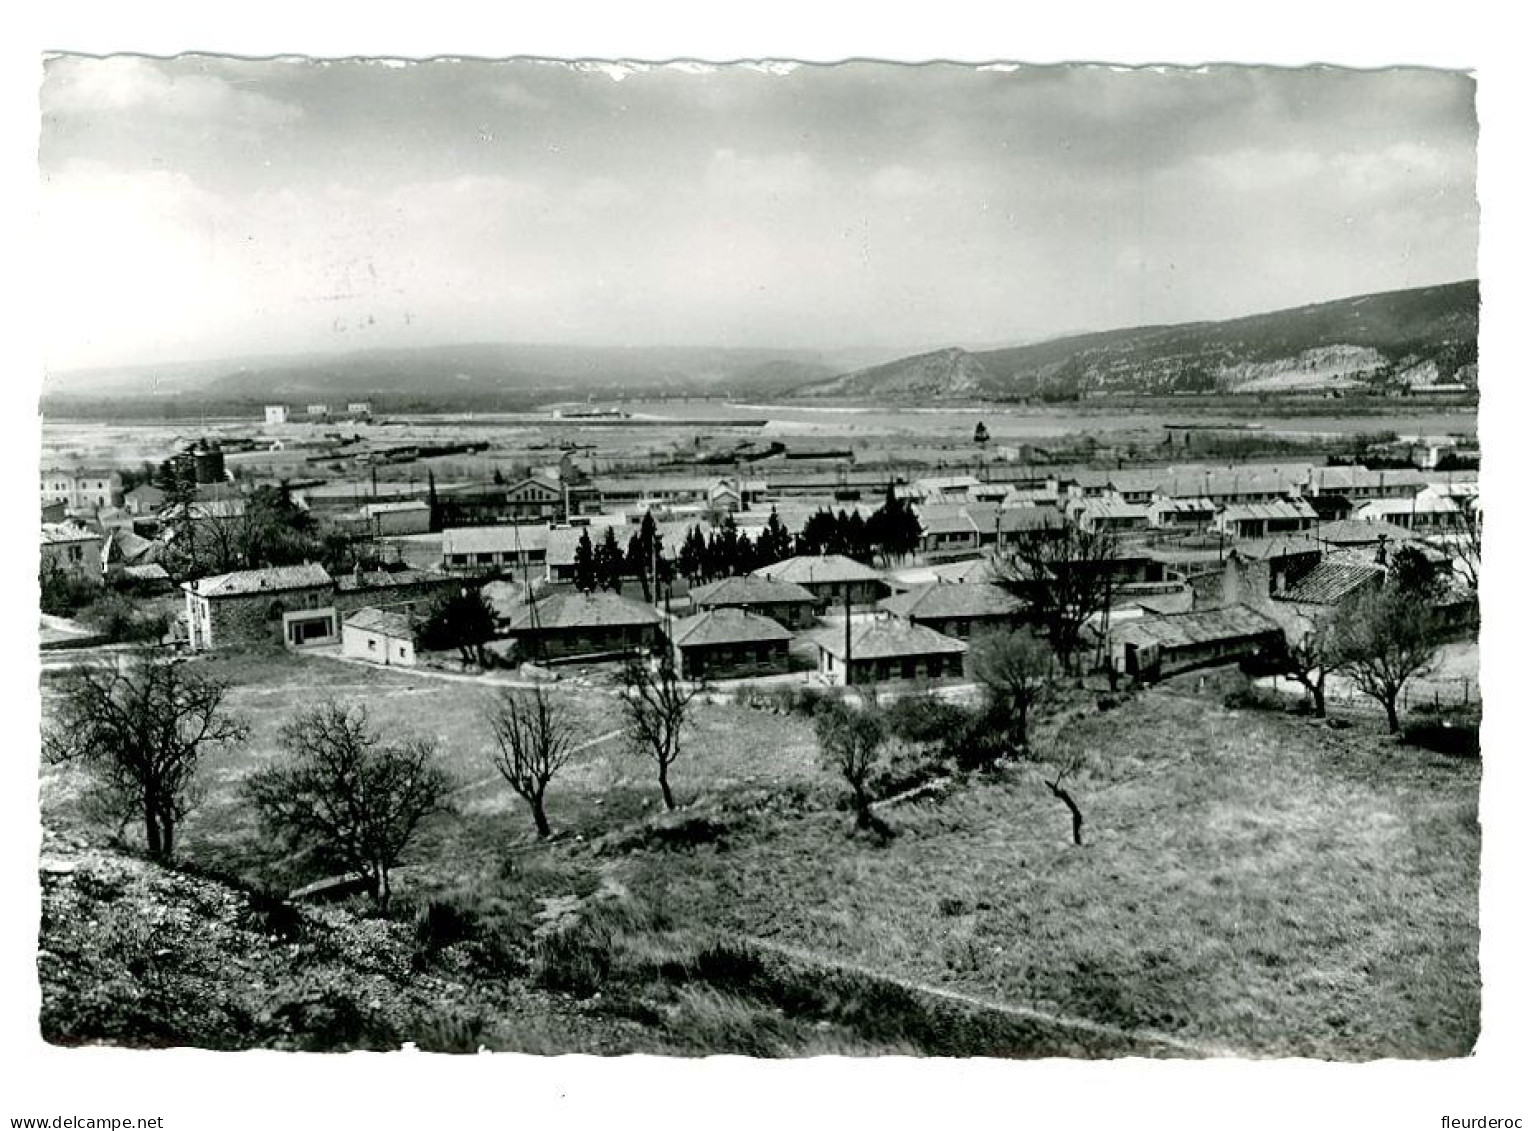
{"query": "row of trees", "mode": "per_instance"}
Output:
(347, 793)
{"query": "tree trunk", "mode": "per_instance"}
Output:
(1318, 691)
(152, 838)
(670, 801)
(1077, 819)
(1391, 708)
(167, 836)
(539, 817)
(385, 890)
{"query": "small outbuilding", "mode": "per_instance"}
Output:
(1151, 647)
(381, 636)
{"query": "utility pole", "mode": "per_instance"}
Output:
(846, 593)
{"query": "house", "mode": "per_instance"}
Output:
(1190, 513)
(291, 604)
(1150, 647)
(947, 530)
(1425, 513)
(1111, 513)
(381, 636)
(494, 549)
(945, 488)
(957, 610)
(597, 625)
(1261, 520)
(1226, 486)
(144, 500)
(318, 411)
(788, 604)
(71, 548)
(276, 414)
(123, 548)
(887, 648)
(729, 642)
(1362, 483)
(833, 579)
(1332, 580)
(534, 498)
(361, 409)
(410, 516)
(81, 489)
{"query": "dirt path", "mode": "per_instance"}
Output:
(1129, 1037)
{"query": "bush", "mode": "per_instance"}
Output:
(120, 620)
(442, 923)
(925, 718)
(1460, 740)
(905, 766)
(1252, 698)
(978, 741)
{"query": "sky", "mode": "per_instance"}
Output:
(203, 207)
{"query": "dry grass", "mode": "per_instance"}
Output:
(1249, 880)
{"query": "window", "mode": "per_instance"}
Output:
(372, 645)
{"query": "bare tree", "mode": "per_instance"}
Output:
(1017, 671)
(1066, 578)
(1464, 546)
(534, 740)
(1069, 767)
(656, 706)
(348, 793)
(851, 743)
(1383, 639)
(1310, 655)
(142, 726)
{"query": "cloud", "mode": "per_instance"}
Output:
(127, 85)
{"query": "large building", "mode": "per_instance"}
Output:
(81, 488)
(276, 414)
(290, 605)
(729, 642)
(566, 625)
(72, 549)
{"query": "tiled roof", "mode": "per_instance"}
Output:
(1103, 508)
(727, 626)
(1332, 579)
(151, 571)
(247, 581)
(66, 532)
(885, 638)
(946, 520)
(372, 509)
(807, 569)
(384, 579)
(494, 539)
(751, 590)
(1353, 532)
(125, 546)
(939, 600)
(1282, 509)
(1280, 546)
(1187, 629)
(400, 626)
(582, 610)
(963, 573)
(1353, 478)
(1426, 502)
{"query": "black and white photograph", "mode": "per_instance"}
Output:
(759, 558)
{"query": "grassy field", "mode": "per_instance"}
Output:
(1250, 880)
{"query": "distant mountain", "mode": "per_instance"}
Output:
(468, 375)
(1424, 336)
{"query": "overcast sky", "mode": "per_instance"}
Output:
(203, 207)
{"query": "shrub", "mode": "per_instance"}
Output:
(455, 1034)
(442, 923)
(924, 718)
(1252, 698)
(1460, 740)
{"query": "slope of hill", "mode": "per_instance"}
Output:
(1416, 337)
(472, 375)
